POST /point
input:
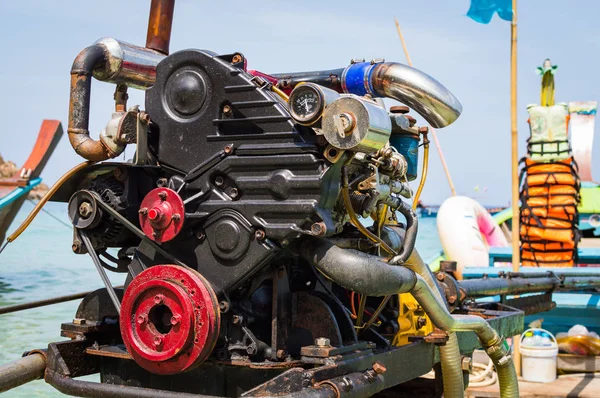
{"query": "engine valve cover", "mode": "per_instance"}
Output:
(169, 319)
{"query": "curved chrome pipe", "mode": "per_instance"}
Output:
(106, 60)
(428, 97)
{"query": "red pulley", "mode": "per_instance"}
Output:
(161, 214)
(169, 319)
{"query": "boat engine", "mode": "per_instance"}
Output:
(261, 229)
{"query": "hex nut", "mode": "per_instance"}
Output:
(322, 342)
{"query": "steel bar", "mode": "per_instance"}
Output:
(42, 303)
(500, 286)
(22, 371)
(92, 252)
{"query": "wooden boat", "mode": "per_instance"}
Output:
(14, 190)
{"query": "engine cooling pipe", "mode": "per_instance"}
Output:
(111, 61)
(450, 358)
(369, 275)
(410, 238)
(357, 271)
(24, 370)
(429, 98)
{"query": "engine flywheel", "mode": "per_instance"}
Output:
(169, 319)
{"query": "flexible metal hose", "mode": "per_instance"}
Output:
(494, 345)
(452, 375)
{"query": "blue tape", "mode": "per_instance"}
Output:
(357, 79)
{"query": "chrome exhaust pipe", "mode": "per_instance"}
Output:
(421, 92)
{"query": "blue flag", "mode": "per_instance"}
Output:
(482, 11)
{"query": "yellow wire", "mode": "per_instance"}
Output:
(356, 222)
(277, 91)
(423, 172)
(45, 199)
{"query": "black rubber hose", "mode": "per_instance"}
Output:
(412, 227)
(357, 271)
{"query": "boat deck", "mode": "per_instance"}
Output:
(583, 386)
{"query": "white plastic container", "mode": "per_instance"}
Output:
(538, 355)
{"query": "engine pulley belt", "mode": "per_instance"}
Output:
(138, 232)
(90, 248)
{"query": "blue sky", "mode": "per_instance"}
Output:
(40, 39)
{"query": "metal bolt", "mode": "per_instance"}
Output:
(379, 368)
(424, 130)
(259, 234)
(85, 209)
(236, 59)
(144, 117)
(318, 229)
(75, 247)
(227, 110)
(143, 211)
(120, 174)
(451, 300)
(159, 299)
(162, 195)
(79, 321)
(161, 182)
(219, 181)
(322, 342)
(421, 321)
(280, 354)
(142, 319)
(175, 319)
(228, 149)
(233, 192)
(224, 306)
(399, 109)
(175, 217)
(236, 319)
(467, 364)
(154, 234)
(440, 276)
(158, 340)
(346, 384)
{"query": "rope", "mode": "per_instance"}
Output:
(51, 215)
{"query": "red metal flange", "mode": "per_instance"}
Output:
(161, 214)
(169, 319)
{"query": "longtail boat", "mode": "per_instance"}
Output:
(14, 189)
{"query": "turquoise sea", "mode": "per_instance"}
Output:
(40, 264)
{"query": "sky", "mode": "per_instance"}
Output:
(39, 40)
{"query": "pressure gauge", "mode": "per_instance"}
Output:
(308, 101)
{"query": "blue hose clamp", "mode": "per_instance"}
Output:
(356, 79)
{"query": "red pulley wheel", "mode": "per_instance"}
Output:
(162, 214)
(169, 319)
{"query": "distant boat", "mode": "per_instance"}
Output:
(14, 189)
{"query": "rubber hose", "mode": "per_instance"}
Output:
(412, 227)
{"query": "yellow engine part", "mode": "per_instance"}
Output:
(412, 320)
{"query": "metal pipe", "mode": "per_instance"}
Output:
(22, 371)
(160, 22)
(474, 288)
(450, 358)
(357, 271)
(429, 98)
(362, 386)
(106, 60)
(494, 345)
(42, 303)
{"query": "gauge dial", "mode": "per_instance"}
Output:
(306, 103)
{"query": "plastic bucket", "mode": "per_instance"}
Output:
(538, 362)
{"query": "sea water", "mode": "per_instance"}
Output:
(40, 264)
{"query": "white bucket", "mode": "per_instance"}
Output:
(538, 363)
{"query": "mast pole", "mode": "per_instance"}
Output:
(515, 165)
(431, 130)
